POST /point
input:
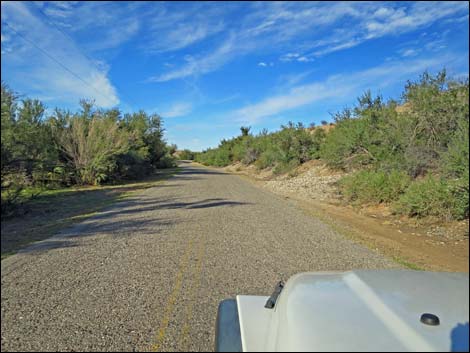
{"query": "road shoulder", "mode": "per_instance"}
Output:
(409, 246)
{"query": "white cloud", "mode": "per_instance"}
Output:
(335, 47)
(304, 59)
(289, 80)
(335, 87)
(38, 74)
(273, 25)
(113, 38)
(177, 110)
(268, 26)
(420, 14)
(318, 29)
(295, 57)
(200, 65)
(263, 64)
(409, 52)
(183, 35)
(96, 20)
(289, 57)
(171, 30)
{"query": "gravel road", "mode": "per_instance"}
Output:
(148, 273)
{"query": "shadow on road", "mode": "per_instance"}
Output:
(111, 222)
(130, 217)
(193, 173)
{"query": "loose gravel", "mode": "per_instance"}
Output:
(317, 183)
(148, 273)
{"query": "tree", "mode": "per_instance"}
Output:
(9, 108)
(245, 130)
(33, 149)
(91, 142)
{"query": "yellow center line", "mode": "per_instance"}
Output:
(184, 343)
(172, 299)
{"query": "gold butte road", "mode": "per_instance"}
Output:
(148, 273)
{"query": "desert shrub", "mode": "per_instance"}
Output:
(166, 161)
(455, 165)
(285, 167)
(90, 146)
(285, 148)
(267, 158)
(219, 157)
(318, 138)
(239, 150)
(434, 106)
(389, 142)
(13, 186)
(186, 155)
(251, 155)
(367, 136)
(295, 144)
(374, 186)
(343, 145)
(431, 196)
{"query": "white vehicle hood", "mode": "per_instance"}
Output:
(360, 311)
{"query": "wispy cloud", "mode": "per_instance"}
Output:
(289, 57)
(335, 87)
(319, 29)
(408, 52)
(420, 14)
(177, 110)
(263, 64)
(172, 27)
(44, 76)
(289, 80)
(94, 19)
(200, 65)
(295, 57)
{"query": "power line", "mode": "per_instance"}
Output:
(51, 22)
(82, 51)
(56, 61)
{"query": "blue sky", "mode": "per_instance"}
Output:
(209, 68)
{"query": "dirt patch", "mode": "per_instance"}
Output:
(441, 247)
(311, 181)
(250, 170)
(418, 244)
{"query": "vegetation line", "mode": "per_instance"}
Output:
(43, 152)
(411, 153)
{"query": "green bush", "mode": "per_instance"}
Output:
(374, 186)
(186, 155)
(219, 157)
(166, 161)
(390, 142)
(431, 196)
(318, 138)
(459, 189)
(283, 149)
(455, 165)
(239, 149)
(90, 146)
(267, 159)
(285, 167)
